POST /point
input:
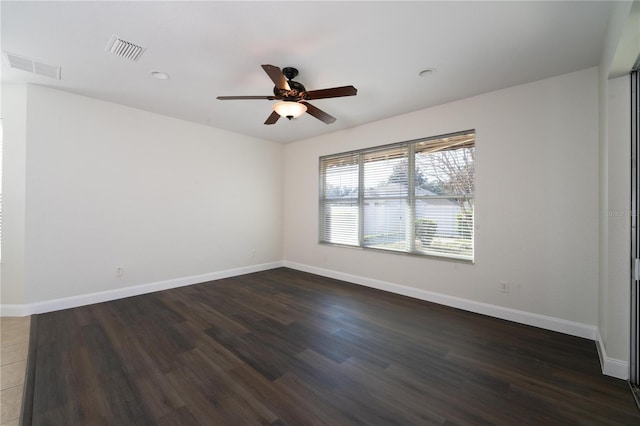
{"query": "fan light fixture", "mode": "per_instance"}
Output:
(290, 109)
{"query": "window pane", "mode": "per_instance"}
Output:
(340, 177)
(340, 223)
(386, 173)
(448, 172)
(386, 179)
(385, 224)
(444, 227)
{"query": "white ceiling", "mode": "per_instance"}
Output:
(216, 48)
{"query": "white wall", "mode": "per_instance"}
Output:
(14, 127)
(536, 199)
(109, 186)
(617, 213)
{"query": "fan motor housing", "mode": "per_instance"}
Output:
(297, 92)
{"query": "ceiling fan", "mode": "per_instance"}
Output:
(293, 96)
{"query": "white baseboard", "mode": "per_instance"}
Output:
(7, 310)
(548, 323)
(611, 366)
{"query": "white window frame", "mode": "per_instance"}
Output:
(354, 200)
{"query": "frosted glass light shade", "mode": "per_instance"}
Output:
(290, 109)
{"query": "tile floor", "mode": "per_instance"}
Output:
(14, 345)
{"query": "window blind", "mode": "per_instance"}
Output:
(414, 197)
(340, 212)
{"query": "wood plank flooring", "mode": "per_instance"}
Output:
(283, 347)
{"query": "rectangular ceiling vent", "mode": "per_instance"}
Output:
(31, 65)
(124, 49)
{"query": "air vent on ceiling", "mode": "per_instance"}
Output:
(31, 65)
(124, 49)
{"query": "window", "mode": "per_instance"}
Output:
(413, 197)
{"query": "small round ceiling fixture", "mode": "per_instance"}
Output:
(160, 75)
(426, 72)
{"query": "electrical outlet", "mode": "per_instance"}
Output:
(504, 287)
(253, 253)
(118, 272)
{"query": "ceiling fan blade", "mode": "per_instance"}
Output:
(319, 114)
(272, 118)
(276, 75)
(233, 98)
(334, 92)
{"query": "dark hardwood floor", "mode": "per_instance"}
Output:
(283, 347)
